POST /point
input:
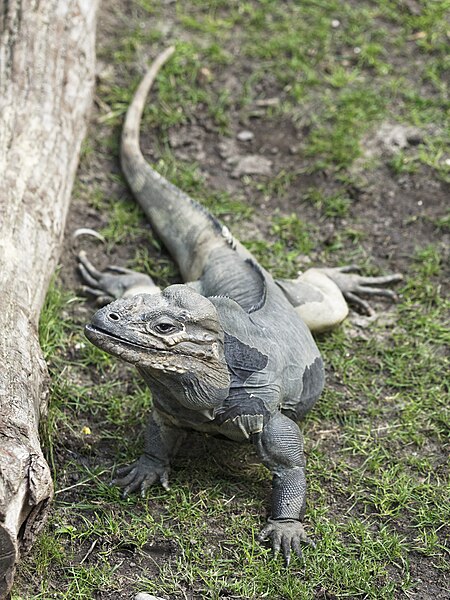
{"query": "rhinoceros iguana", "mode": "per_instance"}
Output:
(230, 352)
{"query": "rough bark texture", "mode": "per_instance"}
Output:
(46, 81)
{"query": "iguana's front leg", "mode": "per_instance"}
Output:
(161, 443)
(280, 447)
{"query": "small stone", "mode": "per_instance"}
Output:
(335, 23)
(252, 164)
(263, 102)
(418, 35)
(145, 596)
(245, 136)
(204, 75)
(227, 148)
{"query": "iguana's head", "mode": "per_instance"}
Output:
(173, 337)
(175, 333)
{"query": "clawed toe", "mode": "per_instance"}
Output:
(372, 291)
(133, 486)
(348, 269)
(382, 280)
(362, 304)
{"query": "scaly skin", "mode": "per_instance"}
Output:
(228, 353)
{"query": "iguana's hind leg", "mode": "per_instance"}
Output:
(353, 285)
(112, 283)
(319, 295)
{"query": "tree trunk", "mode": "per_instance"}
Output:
(46, 83)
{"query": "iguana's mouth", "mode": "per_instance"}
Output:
(93, 329)
(96, 334)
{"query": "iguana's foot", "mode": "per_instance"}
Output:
(140, 475)
(112, 283)
(353, 285)
(285, 535)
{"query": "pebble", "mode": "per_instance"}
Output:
(245, 136)
(145, 596)
(204, 75)
(252, 165)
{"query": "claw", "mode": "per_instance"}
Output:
(357, 301)
(350, 269)
(145, 486)
(88, 231)
(276, 542)
(120, 270)
(383, 280)
(122, 471)
(372, 291)
(85, 289)
(86, 263)
(86, 275)
(134, 485)
(286, 549)
(165, 481)
(127, 478)
(297, 548)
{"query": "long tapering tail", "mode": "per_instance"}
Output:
(187, 230)
(130, 146)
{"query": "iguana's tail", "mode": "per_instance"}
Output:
(187, 230)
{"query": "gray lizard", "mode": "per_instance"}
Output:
(228, 353)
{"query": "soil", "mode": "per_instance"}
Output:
(397, 214)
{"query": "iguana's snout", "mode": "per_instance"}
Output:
(163, 331)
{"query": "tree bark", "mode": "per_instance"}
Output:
(47, 60)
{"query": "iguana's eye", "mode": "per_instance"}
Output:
(165, 327)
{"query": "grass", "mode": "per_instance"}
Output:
(377, 440)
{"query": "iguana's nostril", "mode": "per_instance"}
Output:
(114, 316)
